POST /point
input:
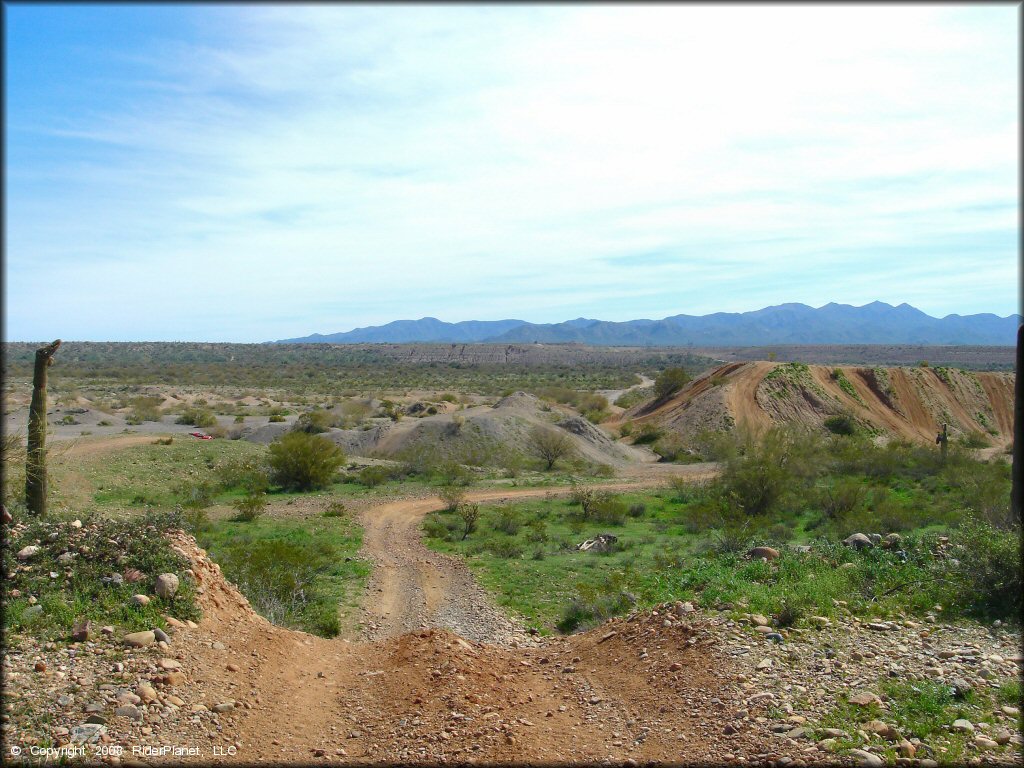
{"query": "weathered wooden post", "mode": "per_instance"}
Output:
(35, 459)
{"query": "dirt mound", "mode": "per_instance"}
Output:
(909, 403)
(520, 400)
(483, 435)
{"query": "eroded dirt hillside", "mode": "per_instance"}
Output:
(910, 403)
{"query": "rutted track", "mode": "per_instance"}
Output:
(413, 587)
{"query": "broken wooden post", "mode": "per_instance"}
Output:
(35, 459)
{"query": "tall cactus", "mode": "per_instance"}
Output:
(35, 460)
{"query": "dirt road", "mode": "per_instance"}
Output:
(413, 587)
(626, 691)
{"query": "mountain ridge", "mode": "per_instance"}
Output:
(788, 323)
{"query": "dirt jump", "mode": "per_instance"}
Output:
(447, 677)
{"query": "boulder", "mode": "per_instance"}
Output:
(858, 541)
(139, 639)
(166, 585)
(82, 631)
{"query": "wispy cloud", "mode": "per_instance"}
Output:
(257, 172)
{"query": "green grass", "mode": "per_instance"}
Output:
(303, 574)
(657, 558)
(687, 543)
(923, 709)
(103, 547)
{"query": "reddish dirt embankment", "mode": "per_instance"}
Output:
(909, 403)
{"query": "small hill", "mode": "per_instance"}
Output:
(483, 435)
(910, 403)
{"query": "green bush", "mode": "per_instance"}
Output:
(452, 496)
(985, 580)
(670, 381)
(301, 461)
(275, 418)
(373, 475)
(315, 422)
(841, 425)
(335, 509)
(250, 506)
(197, 417)
(508, 521)
(648, 434)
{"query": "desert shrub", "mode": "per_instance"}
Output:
(648, 434)
(250, 506)
(373, 475)
(593, 603)
(671, 447)
(637, 510)
(767, 468)
(594, 407)
(240, 419)
(609, 510)
(163, 441)
(197, 417)
(314, 422)
(975, 440)
(839, 498)
(469, 514)
(508, 521)
(627, 428)
(452, 496)
(448, 397)
(275, 418)
(452, 473)
(145, 408)
(537, 531)
(841, 424)
(218, 431)
(249, 473)
(687, 490)
(335, 509)
(985, 575)
(105, 423)
(505, 548)
(670, 381)
(549, 445)
(195, 494)
(301, 461)
(279, 577)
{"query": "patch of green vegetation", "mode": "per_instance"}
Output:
(845, 384)
(65, 592)
(303, 574)
(922, 709)
(784, 489)
(632, 397)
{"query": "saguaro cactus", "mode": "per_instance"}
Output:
(35, 460)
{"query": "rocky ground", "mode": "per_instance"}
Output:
(444, 677)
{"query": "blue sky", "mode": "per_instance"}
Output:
(255, 172)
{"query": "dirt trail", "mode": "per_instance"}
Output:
(742, 396)
(628, 690)
(413, 587)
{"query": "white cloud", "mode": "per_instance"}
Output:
(470, 161)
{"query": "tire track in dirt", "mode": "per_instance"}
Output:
(413, 587)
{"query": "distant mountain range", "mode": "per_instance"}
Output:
(874, 323)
